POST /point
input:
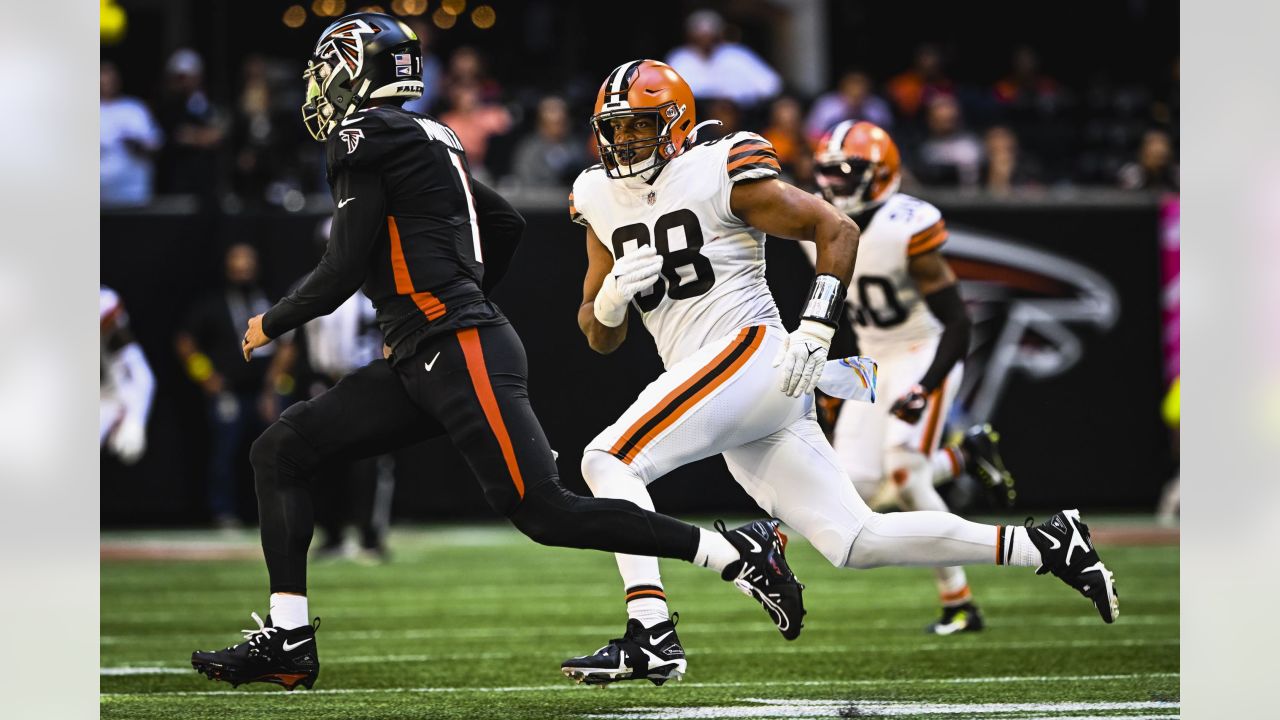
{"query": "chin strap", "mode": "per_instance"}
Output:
(693, 134)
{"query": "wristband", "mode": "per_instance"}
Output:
(826, 300)
(199, 367)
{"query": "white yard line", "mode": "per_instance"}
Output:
(1011, 679)
(800, 708)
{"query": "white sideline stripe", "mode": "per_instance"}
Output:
(787, 650)
(571, 686)
(800, 708)
(143, 671)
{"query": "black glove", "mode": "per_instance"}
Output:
(910, 407)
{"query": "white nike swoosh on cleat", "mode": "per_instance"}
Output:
(1056, 543)
(290, 648)
(660, 638)
(755, 547)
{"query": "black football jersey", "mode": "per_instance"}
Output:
(407, 230)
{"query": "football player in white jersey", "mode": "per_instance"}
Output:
(911, 319)
(127, 383)
(677, 228)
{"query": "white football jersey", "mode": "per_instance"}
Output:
(712, 281)
(888, 308)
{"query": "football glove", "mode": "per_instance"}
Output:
(910, 407)
(129, 440)
(802, 357)
(631, 273)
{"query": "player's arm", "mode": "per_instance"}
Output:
(500, 229)
(346, 258)
(937, 285)
(785, 211)
(602, 338)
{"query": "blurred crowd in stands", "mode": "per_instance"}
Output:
(1023, 129)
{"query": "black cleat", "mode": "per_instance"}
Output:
(981, 445)
(268, 654)
(1067, 551)
(762, 573)
(958, 619)
(653, 654)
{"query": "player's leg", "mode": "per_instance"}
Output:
(908, 465)
(365, 413)
(795, 475)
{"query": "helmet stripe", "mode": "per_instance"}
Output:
(838, 135)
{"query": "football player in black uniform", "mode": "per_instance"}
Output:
(424, 241)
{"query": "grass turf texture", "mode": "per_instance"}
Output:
(473, 621)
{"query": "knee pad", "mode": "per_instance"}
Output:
(281, 452)
(604, 472)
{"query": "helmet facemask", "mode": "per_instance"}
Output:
(329, 96)
(619, 157)
(850, 184)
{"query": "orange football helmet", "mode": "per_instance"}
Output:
(642, 88)
(857, 166)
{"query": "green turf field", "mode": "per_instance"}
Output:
(473, 621)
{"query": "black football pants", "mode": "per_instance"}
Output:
(471, 384)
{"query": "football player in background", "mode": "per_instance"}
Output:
(677, 228)
(414, 229)
(910, 318)
(127, 384)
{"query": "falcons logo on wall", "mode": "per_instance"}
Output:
(1028, 307)
(346, 44)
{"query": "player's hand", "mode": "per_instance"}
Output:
(802, 357)
(129, 440)
(910, 407)
(254, 338)
(631, 273)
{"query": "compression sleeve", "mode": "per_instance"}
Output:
(356, 223)
(946, 305)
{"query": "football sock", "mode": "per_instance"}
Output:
(1015, 547)
(947, 463)
(648, 604)
(714, 551)
(953, 587)
(288, 611)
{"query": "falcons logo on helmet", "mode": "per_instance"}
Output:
(346, 44)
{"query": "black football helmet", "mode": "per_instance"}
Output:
(359, 57)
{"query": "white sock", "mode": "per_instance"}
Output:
(647, 603)
(288, 611)
(714, 551)
(947, 463)
(1015, 547)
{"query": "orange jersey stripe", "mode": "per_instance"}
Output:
(933, 243)
(469, 339)
(678, 412)
(429, 304)
(399, 268)
(766, 159)
(931, 427)
(927, 233)
(738, 151)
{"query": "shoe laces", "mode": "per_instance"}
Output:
(262, 632)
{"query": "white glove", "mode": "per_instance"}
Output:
(803, 356)
(851, 378)
(632, 273)
(129, 441)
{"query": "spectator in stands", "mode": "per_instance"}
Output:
(722, 109)
(475, 122)
(194, 129)
(467, 68)
(128, 137)
(242, 397)
(851, 100)
(432, 70)
(913, 89)
(1005, 167)
(1154, 168)
(551, 155)
(786, 132)
(949, 155)
(266, 136)
(716, 68)
(1026, 92)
